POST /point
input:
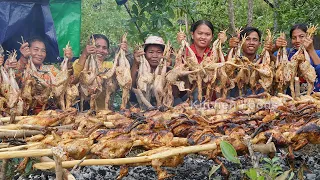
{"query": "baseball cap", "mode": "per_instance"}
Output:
(154, 40)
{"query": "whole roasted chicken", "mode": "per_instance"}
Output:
(90, 84)
(61, 80)
(123, 75)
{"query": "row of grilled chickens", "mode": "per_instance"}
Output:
(284, 120)
(215, 75)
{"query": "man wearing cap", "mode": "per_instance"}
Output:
(153, 51)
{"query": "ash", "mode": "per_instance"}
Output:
(194, 167)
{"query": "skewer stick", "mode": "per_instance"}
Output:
(4, 145)
(5, 133)
(34, 127)
(57, 155)
(25, 153)
(131, 160)
(19, 147)
(7, 119)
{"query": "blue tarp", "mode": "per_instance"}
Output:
(27, 18)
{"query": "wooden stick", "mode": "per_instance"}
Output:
(4, 145)
(92, 162)
(7, 119)
(264, 148)
(21, 126)
(184, 150)
(34, 127)
(4, 133)
(57, 155)
(131, 160)
(20, 147)
(25, 153)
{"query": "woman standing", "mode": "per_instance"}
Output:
(202, 35)
(102, 50)
(35, 49)
(298, 35)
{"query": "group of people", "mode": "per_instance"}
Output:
(202, 34)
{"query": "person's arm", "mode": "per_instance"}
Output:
(77, 68)
(280, 42)
(90, 49)
(25, 54)
(308, 44)
(78, 65)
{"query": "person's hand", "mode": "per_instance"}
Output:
(137, 54)
(1, 60)
(308, 44)
(222, 36)
(68, 53)
(25, 50)
(181, 36)
(234, 42)
(90, 49)
(124, 46)
(11, 64)
(281, 42)
(268, 46)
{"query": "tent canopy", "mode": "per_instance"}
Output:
(29, 18)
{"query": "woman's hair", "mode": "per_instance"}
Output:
(200, 22)
(302, 27)
(101, 36)
(34, 39)
(248, 30)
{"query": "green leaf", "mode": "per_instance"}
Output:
(252, 173)
(171, 12)
(229, 152)
(267, 160)
(275, 159)
(213, 170)
(283, 176)
(135, 9)
(291, 176)
(167, 21)
(29, 166)
(260, 178)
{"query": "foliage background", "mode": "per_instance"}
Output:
(162, 17)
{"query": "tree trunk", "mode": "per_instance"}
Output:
(231, 16)
(275, 16)
(250, 13)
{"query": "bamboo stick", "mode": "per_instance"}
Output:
(33, 127)
(131, 160)
(57, 155)
(91, 162)
(15, 148)
(5, 133)
(7, 119)
(184, 150)
(4, 145)
(25, 153)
